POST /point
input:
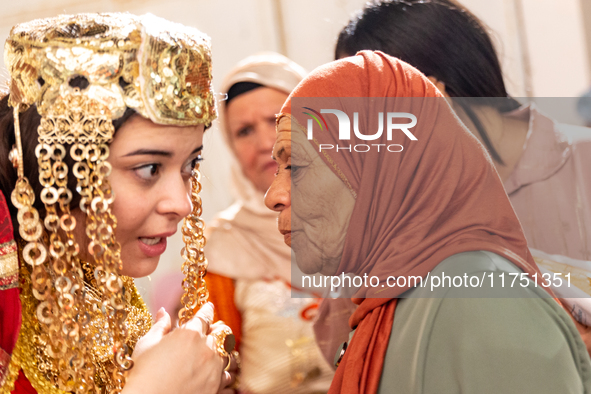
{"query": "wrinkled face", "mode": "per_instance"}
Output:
(250, 119)
(314, 205)
(152, 166)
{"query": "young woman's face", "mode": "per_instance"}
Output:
(152, 166)
(250, 119)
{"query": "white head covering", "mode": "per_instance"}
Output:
(269, 69)
(243, 241)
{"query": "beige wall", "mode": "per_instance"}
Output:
(554, 30)
(555, 48)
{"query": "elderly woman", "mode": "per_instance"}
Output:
(544, 166)
(249, 274)
(432, 205)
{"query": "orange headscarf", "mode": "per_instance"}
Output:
(439, 197)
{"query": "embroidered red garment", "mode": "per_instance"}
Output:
(10, 306)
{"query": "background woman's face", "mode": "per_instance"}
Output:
(250, 119)
(317, 225)
(152, 165)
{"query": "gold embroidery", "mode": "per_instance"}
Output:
(159, 68)
(4, 362)
(8, 265)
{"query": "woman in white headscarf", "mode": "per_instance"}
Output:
(249, 274)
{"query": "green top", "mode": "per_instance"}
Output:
(523, 344)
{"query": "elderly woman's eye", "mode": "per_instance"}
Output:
(147, 171)
(294, 169)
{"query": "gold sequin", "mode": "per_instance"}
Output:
(159, 68)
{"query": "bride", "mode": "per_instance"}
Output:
(103, 106)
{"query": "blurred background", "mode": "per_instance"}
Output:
(544, 45)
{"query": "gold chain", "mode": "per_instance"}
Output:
(195, 264)
(30, 355)
(62, 308)
(57, 278)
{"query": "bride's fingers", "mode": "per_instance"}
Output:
(224, 340)
(202, 320)
(233, 364)
(216, 326)
(163, 322)
(226, 382)
(159, 329)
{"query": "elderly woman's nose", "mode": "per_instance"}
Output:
(278, 196)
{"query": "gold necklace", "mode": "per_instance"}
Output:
(30, 352)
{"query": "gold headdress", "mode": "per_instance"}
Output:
(82, 72)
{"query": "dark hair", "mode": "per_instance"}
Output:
(29, 123)
(240, 88)
(442, 39)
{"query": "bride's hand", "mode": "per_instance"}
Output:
(160, 328)
(230, 383)
(229, 380)
(181, 361)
